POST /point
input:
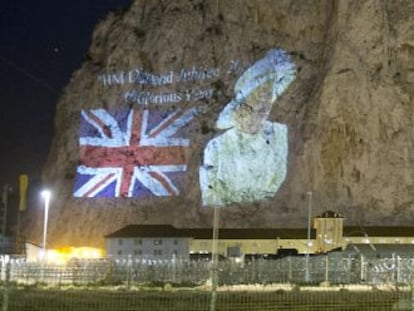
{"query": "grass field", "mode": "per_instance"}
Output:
(35, 299)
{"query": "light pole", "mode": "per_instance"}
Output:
(5, 200)
(214, 255)
(46, 194)
(307, 274)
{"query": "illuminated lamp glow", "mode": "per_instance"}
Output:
(63, 255)
(46, 194)
(55, 257)
(86, 252)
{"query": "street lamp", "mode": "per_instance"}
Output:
(309, 243)
(46, 194)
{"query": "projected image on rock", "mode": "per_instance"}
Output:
(132, 153)
(248, 162)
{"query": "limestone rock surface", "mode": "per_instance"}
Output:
(349, 113)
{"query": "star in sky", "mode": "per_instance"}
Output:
(42, 44)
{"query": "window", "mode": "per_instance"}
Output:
(137, 252)
(138, 242)
(157, 252)
(175, 252)
(119, 252)
(175, 242)
(120, 241)
(157, 242)
(233, 251)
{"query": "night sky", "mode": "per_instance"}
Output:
(42, 43)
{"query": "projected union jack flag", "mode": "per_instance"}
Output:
(132, 153)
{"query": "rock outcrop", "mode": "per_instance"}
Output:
(349, 112)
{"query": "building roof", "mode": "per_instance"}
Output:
(132, 231)
(330, 214)
(146, 231)
(383, 231)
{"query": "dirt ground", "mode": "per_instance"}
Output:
(30, 299)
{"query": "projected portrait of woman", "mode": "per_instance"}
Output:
(247, 163)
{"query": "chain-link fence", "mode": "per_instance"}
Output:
(336, 281)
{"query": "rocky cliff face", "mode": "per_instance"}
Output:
(349, 112)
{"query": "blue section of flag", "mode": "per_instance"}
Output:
(132, 153)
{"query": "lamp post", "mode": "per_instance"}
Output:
(308, 243)
(46, 194)
(214, 255)
(5, 200)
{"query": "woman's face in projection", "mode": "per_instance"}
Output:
(253, 112)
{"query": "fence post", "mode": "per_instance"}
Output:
(174, 268)
(393, 268)
(399, 270)
(412, 290)
(362, 269)
(129, 263)
(290, 269)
